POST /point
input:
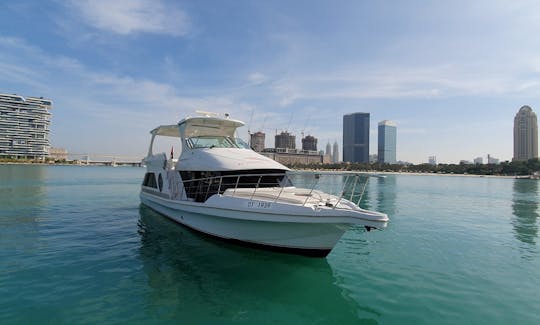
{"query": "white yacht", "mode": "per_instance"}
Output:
(220, 187)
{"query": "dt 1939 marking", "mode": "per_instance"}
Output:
(259, 204)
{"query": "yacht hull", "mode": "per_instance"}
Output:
(292, 233)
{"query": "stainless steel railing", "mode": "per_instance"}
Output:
(338, 187)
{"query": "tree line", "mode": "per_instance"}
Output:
(506, 168)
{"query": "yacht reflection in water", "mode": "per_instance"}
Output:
(525, 209)
(386, 195)
(195, 278)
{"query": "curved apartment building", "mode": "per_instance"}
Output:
(525, 135)
(24, 126)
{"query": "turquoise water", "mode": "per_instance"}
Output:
(76, 247)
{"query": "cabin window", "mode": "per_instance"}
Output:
(242, 144)
(211, 142)
(150, 180)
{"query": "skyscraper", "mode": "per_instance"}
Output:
(525, 135)
(309, 143)
(328, 149)
(285, 140)
(24, 126)
(335, 153)
(386, 145)
(356, 137)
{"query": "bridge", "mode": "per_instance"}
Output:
(104, 159)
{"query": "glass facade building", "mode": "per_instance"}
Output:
(386, 145)
(525, 135)
(24, 126)
(356, 138)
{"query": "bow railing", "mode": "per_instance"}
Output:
(310, 188)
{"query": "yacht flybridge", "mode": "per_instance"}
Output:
(220, 187)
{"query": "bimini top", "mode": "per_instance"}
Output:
(209, 144)
(200, 126)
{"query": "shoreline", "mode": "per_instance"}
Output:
(384, 173)
(445, 174)
(65, 164)
(373, 173)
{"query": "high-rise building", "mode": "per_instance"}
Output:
(335, 153)
(309, 143)
(328, 149)
(285, 140)
(24, 126)
(257, 141)
(432, 160)
(492, 160)
(478, 161)
(386, 153)
(356, 137)
(525, 135)
(327, 158)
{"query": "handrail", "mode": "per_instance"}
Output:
(354, 188)
(284, 181)
(312, 188)
(240, 175)
(342, 191)
(256, 187)
(200, 189)
(362, 194)
(236, 186)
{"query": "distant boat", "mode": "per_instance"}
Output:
(220, 187)
(536, 175)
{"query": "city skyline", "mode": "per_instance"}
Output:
(451, 81)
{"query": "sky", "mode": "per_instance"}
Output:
(451, 74)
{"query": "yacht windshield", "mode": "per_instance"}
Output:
(242, 144)
(211, 142)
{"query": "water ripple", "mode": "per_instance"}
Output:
(77, 247)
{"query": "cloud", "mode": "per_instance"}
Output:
(257, 78)
(153, 95)
(399, 82)
(132, 16)
(122, 107)
(34, 66)
(24, 64)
